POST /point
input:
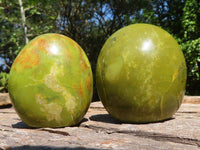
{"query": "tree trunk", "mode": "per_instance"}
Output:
(23, 21)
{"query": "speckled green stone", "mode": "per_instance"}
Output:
(50, 82)
(141, 74)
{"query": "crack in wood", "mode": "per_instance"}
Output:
(97, 108)
(148, 135)
(4, 130)
(163, 137)
(55, 132)
(7, 112)
(189, 112)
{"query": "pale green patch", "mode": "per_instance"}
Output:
(52, 82)
(113, 70)
(174, 75)
(52, 110)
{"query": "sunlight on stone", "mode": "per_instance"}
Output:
(147, 45)
(54, 49)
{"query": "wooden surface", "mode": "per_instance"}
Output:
(5, 100)
(98, 130)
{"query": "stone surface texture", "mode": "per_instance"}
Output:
(98, 130)
(51, 80)
(141, 66)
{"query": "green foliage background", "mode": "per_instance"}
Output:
(91, 22)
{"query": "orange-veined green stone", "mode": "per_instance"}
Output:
(141, 74)
(51, 82)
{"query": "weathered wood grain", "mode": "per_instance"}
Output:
(98, 130)
(191, 99)
(5, 100)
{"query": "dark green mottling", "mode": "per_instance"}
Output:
(141, 74)
(52, 90)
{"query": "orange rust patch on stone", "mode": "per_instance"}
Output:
(80, 90)
(64, 43)
(88, 82)
(72, 43)
(41, 44)
(68, 56)
(80, 51)
(28, 58)
(83, 65)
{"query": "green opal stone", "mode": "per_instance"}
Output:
(141, 74)
(51, 82)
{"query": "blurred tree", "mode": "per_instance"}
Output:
(4, 82)
(91, 22)
(12, 37)
(191, 44)
(166, 14)
(23, 21)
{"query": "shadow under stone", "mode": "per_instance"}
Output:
(5, 106)
(106, 118)
(23, 125)
(82, 121)
(27, 147)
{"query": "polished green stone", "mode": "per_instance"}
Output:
(51, 82)
(141, 74)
